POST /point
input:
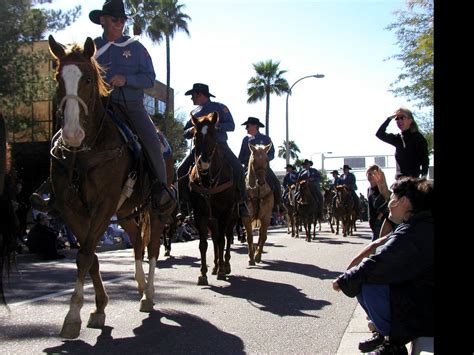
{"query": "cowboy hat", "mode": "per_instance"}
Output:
(198, 87)
(306, 161)
(335, 172)
(345, 166)
(113, 8)
(253, 120)
(290, 166)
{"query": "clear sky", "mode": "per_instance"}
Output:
(345, 40)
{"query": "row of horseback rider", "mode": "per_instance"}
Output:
(200, 96)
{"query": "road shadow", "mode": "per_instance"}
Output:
(299, 269)
(162, 332)
(277, 298)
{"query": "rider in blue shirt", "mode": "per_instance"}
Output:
(255, 137)
(201, 97)
(129, 70)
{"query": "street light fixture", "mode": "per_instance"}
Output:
(322, 158)
(287, 143)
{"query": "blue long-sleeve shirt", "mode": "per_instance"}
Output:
(225, 123)
(259, 138)
(132, 61)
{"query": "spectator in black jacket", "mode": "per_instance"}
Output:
(377, 203)
(395, 285)
(411, 147)
(42, 239)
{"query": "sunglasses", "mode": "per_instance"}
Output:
(117, 19)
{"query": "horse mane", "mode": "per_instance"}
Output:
(74, 55)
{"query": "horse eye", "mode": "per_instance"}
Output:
(88, 80)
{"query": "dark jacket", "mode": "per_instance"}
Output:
(406, 263)
(377, 204)
(259, 138)
(411, 151)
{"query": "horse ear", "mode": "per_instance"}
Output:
(215, 117)
(268, 147)
(252, 148)
(55, 48)
(89, 48)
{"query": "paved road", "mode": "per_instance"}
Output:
(283, 305)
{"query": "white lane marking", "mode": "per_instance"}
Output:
(65, 292)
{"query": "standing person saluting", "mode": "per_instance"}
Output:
(411, 148)
(129, 70)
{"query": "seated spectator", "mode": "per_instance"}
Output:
(395, 285)
(41, 239)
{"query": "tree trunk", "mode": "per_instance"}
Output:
(267, 116)
(168, 83)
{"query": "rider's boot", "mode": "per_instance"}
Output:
(163, 199)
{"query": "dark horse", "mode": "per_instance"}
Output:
(90, 166)
(308, 208)
(7, 225)
(345, 210)
(213, 196)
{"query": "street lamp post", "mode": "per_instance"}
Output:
(287, 143)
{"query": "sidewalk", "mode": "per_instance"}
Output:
(357, 331)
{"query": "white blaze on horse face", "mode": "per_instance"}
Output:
(204, 130)
(72, 132)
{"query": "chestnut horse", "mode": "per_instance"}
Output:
(213, 196)
(260, 198)
(90, 165)
(292, 218)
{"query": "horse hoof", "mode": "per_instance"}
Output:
(258, 258)
(227, 269)
(221, 276)
(214, 271)
(96, 320)
(70, 330)
(167, 253)
(252, 262)
(202, 281)
(146, 305)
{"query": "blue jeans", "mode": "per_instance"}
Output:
(375, 300)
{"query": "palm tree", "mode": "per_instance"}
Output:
(294, 149)
(268, 81)
(169, 20)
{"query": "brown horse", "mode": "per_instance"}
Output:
(308, 208)
(260, 198)
(292, 214)
(90, 168)
(213, 196)
(345, 210)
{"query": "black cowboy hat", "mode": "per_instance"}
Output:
(306, 161)
(113, 8)
(198, 87)
(335, 172)
(290, 166)
(345, 166)
(253, 120)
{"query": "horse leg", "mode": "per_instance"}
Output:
(201, 225)
(97, 317)
(249, 231)
(72, 323)
(153, 248)
(133, 231)
(229, 237)
(262, 237)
